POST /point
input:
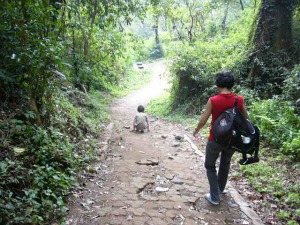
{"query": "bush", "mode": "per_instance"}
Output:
(192, 82)
(291, 90)
(38, 164)
(195, 67)
(35, 178)
(272, 180)
(279, 125)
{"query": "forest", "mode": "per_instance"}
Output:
(64, 61)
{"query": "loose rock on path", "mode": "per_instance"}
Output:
(151, 178)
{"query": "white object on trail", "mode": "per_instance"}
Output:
(197, 151)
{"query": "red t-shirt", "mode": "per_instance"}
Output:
(220, 103)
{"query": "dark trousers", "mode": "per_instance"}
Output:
(217, 180)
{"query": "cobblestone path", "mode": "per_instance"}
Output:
(151, 178)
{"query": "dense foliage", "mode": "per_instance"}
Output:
(38, 164)
(55, 58)
(218, 48)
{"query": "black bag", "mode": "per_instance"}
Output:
(232, 130)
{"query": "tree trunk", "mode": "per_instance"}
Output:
(273, 41)
(75, 61)
(275, 24)
(177, 30)
(225, 16)
(190, 29)
(242, 5)
(156, 34)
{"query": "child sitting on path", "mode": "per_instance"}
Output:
(140, 122)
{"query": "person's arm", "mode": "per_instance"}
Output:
(204, 117)
(147, 123)
(134, 123)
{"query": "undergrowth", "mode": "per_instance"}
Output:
(277, 181)
(39, 164)
(161, 107)
(134, 80)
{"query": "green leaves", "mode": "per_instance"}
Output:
(41, 200)
(279, 125)
(19, 150)
(41, 134)
(277, 183)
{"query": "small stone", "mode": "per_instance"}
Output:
(176, 180)
(152, 162)
(91, 169)
(161, 189)
(175, 145)
(273, 206)
(179, 138)
(169, 176)
(232, 204)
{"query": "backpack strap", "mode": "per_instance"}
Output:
(236, 101)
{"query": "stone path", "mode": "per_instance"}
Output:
(151, 178)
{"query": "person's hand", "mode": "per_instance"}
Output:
(195, 133)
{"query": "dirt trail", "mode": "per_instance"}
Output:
(154, 178)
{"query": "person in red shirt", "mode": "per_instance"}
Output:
(215, 106)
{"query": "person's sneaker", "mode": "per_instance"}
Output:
(250, 160)
(208, 198)
(224, 192)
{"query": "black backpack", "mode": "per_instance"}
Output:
(232, 130)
